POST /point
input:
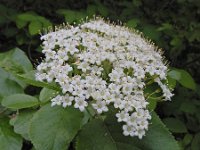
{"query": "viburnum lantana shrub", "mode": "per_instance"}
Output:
(100, 64)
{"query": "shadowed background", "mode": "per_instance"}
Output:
(172, 25)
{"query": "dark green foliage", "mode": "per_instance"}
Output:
(107, 135)
(21, 123)
(54, 128)
(19, 101)
(172, 25)
(9, 140)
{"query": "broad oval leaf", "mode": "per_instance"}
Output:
(21, 122)
(8, 86)
(94, 135)
(54, 127)
(132, 23)
(15, 60)
(174, 74)
(107, 134)
(151, 32)
(187, 80)
(45, 22)
(8, 139)
(20, 23)
(183, 77)
(71, 15)
(28, 16)
(19, 101)
(171, 82)
(34, 27)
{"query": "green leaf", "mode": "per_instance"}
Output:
(15, 60)
(54, 127)
(86, 117)
(21, 122)
(8, 85)
(29, 78)
(34, 27)
(175, 125)
(152, 103)
(19, 101)
(8, 139)
(36, 22)
(45, 22)
(107, 134)
(151, 32)
(20, 23)
(175, 74)
(187, 139)
(95, 135)
(47, 94)
(28, 17)
(171, 82)
(187, 80)
(132, 23)
(183, 77)
(70, 15)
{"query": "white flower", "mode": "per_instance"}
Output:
(67, 87)
(132, 120)
(166, 92)
(140, 133)
(128, 130)
(127, 88)
(57, 100)
(127, 105)
(67, 100)
(80, 103)
(102, 64)
(114, 76)
(118, 103)
(62, 55)
(144, 124)
(122, 116)
(84, 66)
(50, 55)
(114, 88)
(100, 106)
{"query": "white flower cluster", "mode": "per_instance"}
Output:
(100, 64)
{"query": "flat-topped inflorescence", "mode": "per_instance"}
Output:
(100, 64)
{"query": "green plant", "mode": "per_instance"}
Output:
(173, 25)
(34, 120)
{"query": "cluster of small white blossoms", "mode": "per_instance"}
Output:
(99, 64)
